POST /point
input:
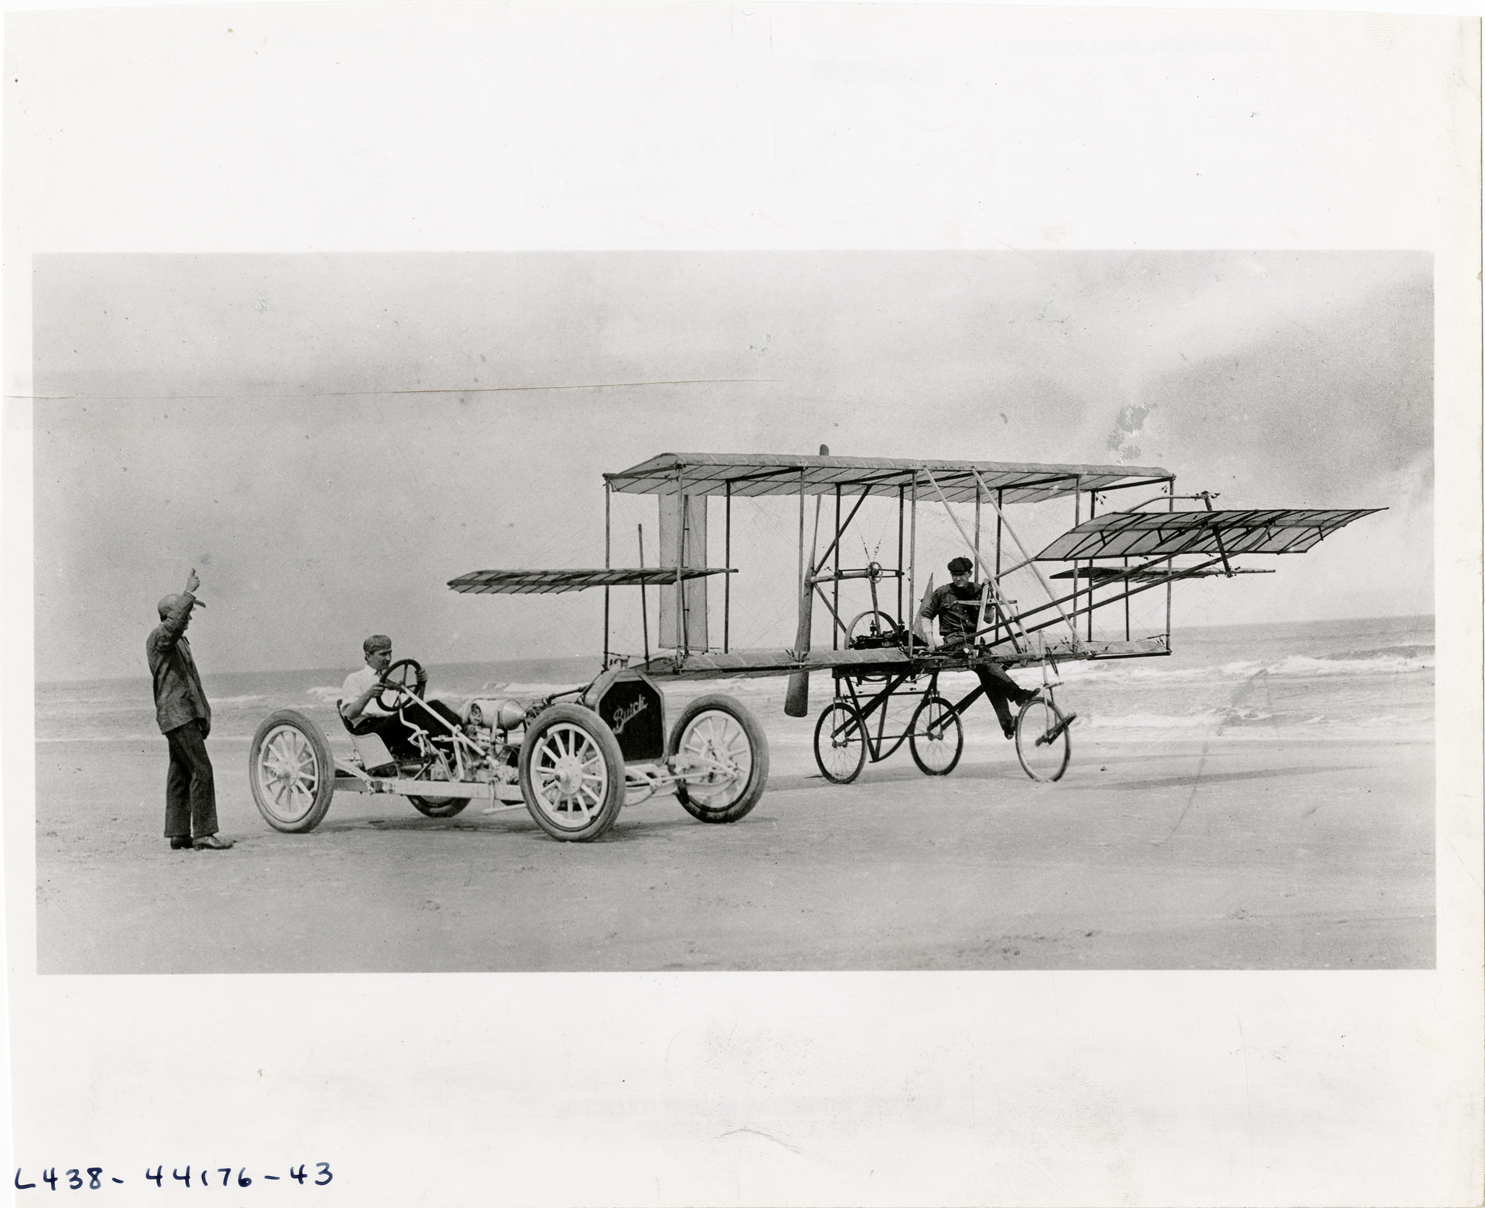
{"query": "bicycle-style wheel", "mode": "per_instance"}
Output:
(840, 742)
(1042, 743)
(936, 736)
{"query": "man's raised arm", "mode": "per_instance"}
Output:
(173, 619)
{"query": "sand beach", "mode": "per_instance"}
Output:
(1225, 852)
(1262, 799)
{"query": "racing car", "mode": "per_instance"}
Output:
(573, 759)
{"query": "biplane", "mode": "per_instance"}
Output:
(1051, 587)
(1036, 608)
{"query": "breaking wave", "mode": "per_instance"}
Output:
(1356, 663)
(1235, 721)
(1358, 679)
(1198, 719)
(1400, 660)
(524, 690)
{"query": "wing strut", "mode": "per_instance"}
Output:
(1041, 578)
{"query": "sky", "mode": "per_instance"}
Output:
(328, 439)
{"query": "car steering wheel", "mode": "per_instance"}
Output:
(405, 677)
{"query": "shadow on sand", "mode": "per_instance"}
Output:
(897, 775)
(1165, 782)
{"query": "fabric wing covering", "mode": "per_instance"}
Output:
(751, 474)
(536, 582)
(1166, 534)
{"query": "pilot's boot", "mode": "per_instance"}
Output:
(1003, 715)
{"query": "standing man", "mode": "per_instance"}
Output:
(957, 606)
(185, 719)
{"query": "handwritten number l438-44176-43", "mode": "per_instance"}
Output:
(74, 1179)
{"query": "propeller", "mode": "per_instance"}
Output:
(922, 604)
(797, 696)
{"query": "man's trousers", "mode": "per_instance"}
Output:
(190, 792)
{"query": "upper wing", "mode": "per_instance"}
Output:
(751, 474)
(1165, 534)
(529, 582)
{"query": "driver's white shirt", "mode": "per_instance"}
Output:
(356, 683)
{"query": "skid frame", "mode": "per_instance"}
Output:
(848, 687)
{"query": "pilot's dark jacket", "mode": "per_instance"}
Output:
(958, 613)
(957, 610)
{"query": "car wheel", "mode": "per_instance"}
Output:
(291, 772)
(572, 773)
(722, 750)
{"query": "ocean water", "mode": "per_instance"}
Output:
(1322, 679)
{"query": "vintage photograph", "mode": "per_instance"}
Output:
(750, 611)
(693, 604)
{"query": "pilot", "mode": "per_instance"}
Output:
(362, 712)
(957, 606)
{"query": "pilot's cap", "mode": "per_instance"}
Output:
(377, 641)
(961, 566)
(168, 604)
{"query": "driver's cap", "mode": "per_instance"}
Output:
(377, 641)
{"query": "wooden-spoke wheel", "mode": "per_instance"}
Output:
(572, 773)
(722, 753)
(291, 772)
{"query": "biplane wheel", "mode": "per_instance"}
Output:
(719, 738)
(437, 807)
(936, 736)
(572, 773)
(874, 624)
(1042, 744)
(404, 676)
(840, 742)
(291, 772)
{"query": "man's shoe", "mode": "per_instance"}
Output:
(212, 843)
(1029, 695)
(1009, 731)
(179, 842)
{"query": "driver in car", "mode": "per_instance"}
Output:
(361, 709)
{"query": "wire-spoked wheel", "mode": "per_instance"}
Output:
(936, 736)
(572, 773)
(1042, 743)
(840, 742)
